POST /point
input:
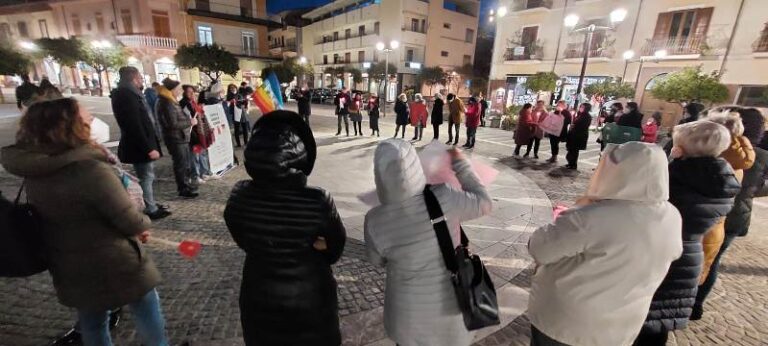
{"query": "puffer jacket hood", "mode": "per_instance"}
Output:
(282, 150)
(397, 170)
(32, 162)
(633, 171)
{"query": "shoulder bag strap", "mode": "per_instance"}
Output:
(440, 226)
(18, 195)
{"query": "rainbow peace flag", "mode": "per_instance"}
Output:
(268, 96)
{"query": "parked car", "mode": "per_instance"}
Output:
(322, 95)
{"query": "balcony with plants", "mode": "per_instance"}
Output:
(602, 50)
(523, 5)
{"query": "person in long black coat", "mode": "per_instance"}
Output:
(554, 140)
(633, 118)
(402, 112)
(304, 105)
(437, 115)
(702, 186)
(578, 135)
(291, 234)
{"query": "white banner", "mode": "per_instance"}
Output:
(220, 153)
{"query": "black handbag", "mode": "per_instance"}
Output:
(22, 252)
(471, 282)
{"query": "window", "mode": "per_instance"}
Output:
(753, 96)
(335, 58)
(376, 28)
(409, 55)
(205, 35)
(447, 25)
(43, 28)
(203, 5)
(23, 32)
(249, 43)
(424, 25)
(246, 8)
(99, 22)
(528, 39)
(348, 33)
(125, 15)
(469, 36)
(325, 60)
(347, 58)
(335, 36)
(161, 23)
(5, 33)
(681, 32)
(467, 60)
(361, 56)
(76, 27)
(444, 54)
(414, 24)
(361, 30)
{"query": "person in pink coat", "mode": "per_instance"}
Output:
(526, 128)
(473, 121)
(418, 116)
(651, 128)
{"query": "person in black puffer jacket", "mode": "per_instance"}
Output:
(702, 187)
(437, 115)
(291, 234)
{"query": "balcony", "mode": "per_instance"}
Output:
(523, 5)
(230, 12)
(241, 51)
(146, 41)
(761, 45)
(284, 47)
(576, 51)
(521, 54)
(675, 46)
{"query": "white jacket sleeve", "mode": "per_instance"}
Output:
(374, 256)
(554, 242)
(471, 203)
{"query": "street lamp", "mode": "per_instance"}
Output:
(571, 21)
(657, 55)
(26, 45)
(381, 47)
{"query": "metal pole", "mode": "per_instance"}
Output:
(730, 40)
(560, 36)
(386, 81)
(624, 75)
(587, 44)
(639, 70)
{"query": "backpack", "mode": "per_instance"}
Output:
(22, 251)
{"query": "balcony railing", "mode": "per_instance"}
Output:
(287, 46)
(419, 30)
(241, 50)
(531, 4)
(142, 41)
(761, 45)
(520, 53)
(674, 46)
(576, 51)
(329, 39)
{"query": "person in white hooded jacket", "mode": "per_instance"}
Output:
(420, 306)
(600, 263)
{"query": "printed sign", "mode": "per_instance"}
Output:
(220, 153)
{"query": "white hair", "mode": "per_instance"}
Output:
(731, 120)
(701, 138)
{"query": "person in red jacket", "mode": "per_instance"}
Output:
(418, 116)
(473, 121)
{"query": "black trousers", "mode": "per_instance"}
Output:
(540, 339)
(242, 128)
(397, 130)
(345, 117)
(436, 130)
(451, 128)
(306, 118)
(651, 339)
(358, 127)
(418, 132)
(535, 142)
(180, 154)
(471, 132)
(572, 156)
(554, 144)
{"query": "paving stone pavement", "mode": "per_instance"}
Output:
(200, 297)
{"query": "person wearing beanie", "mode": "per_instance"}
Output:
(177, 128)
(291, 233)
(592, 262)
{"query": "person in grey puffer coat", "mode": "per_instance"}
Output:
(420, 306)
(177, 128)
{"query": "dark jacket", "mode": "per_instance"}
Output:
(739, 218)
(702, 189)
(305, 107)
(288, 293)
(176, 125)
(95, 260)
(150, 94)
(137, 133)
(631, 119)
(579, 132)
(566, 122)
(437, 112)
(24, 93)
(403, 115)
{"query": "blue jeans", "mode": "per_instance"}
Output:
(200, 164)
(146, 174)
(150, 325)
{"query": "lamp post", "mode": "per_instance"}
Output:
(383, 48)
(617, 16)
(99, 46)
(302, 62)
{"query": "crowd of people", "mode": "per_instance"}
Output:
(665, 219)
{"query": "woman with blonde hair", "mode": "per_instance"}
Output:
(418, 116)
(702, 187)
(402, 112)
